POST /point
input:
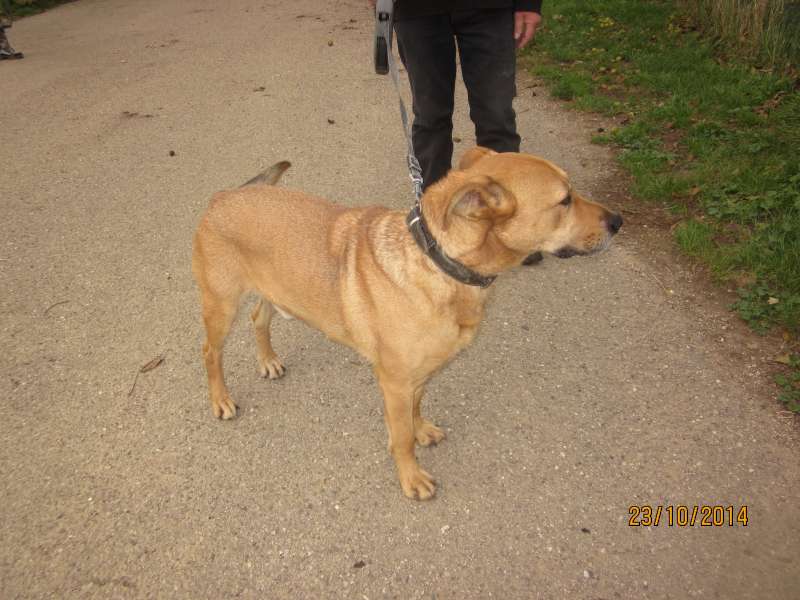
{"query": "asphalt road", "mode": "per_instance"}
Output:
(594, 384)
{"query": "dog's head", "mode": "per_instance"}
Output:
(497, 209)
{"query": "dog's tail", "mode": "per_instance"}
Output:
(271, 176)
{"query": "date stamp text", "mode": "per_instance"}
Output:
(680, 515)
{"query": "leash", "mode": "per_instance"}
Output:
(384, 63)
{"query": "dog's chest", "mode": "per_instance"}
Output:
(448, 330)
(465, 336)
(468, 316)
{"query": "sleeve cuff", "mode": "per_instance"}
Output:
(528, 6)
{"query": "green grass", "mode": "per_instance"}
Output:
(766, 30)
(789, 383)
(713, 136)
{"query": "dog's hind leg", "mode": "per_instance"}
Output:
(218, 315)
(269, 363)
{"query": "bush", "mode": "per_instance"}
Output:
(21, 8)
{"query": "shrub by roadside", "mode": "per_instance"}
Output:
(21, 8)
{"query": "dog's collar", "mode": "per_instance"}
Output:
(428, 244)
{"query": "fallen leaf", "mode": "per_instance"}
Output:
(784, 359)
(152, 364)
(148, 366)
(772, 300)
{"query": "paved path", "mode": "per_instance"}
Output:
(590, 388)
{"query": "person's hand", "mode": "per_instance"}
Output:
(525, 24)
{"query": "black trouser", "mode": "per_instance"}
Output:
(488, 65)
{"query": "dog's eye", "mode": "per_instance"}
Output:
(566, 201)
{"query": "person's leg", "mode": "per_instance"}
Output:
(6, 51)
(428, 51)
(488, 64)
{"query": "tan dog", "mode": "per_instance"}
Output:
(358, 275)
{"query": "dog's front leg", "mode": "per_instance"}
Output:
(425, 432)
(398, 411)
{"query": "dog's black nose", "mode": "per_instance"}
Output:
(614, 222)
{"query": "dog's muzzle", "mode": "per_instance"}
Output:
(613, 223)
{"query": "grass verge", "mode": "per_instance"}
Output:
(708, 133)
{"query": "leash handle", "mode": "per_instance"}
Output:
(384, 13)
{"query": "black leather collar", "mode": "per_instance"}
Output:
(422, 235)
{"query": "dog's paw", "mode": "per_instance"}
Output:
(427, 433)
(271, 367)
(417, 483)
(224, 408)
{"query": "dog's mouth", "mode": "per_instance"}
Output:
(570, 251)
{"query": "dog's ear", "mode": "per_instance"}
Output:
(481, 198)
(472, 155)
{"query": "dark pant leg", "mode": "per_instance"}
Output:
(488, 64)
(428, 51)
(5, 14)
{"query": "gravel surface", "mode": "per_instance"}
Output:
(594, 383)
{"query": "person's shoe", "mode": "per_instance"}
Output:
(6, 51)
(533, 259)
